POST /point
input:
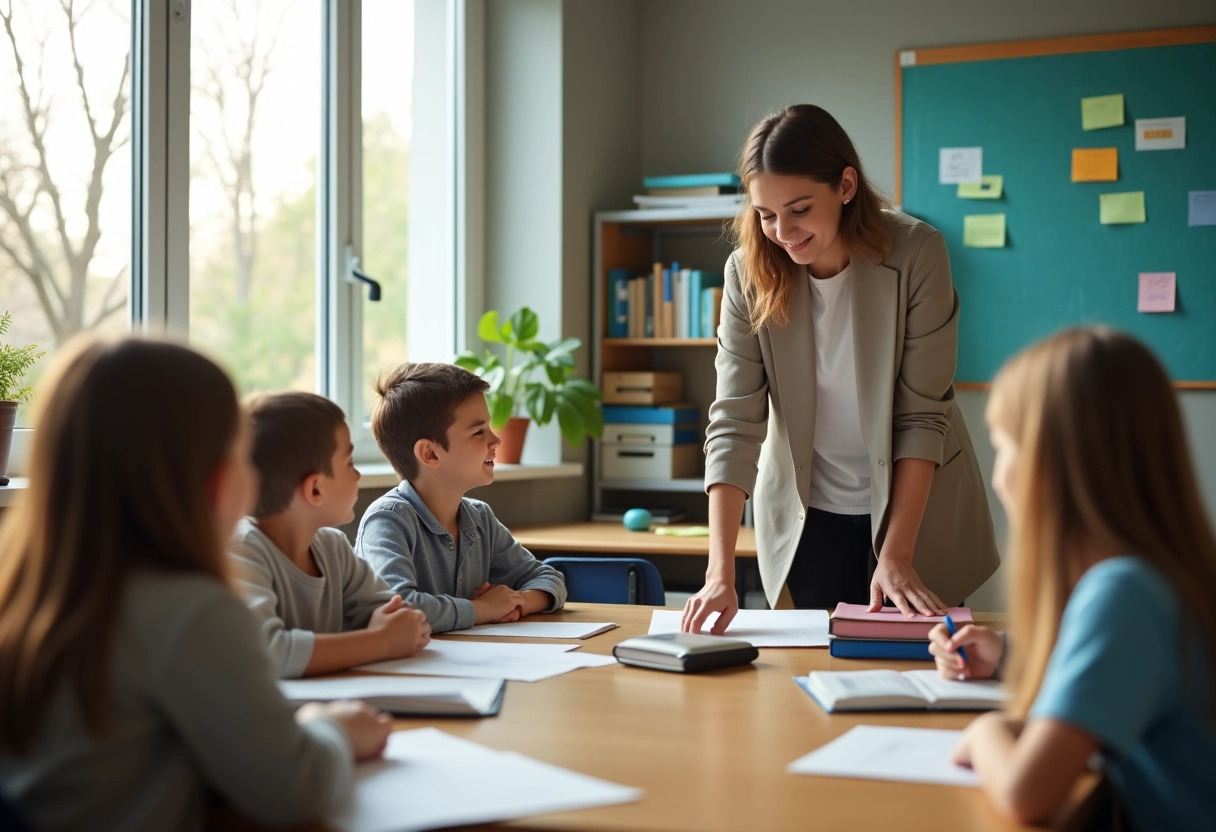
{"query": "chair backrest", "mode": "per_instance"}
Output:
(610, 580)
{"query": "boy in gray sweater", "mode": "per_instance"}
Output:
(320, 609)
(446, 554)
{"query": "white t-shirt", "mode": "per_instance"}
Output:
(840, 466)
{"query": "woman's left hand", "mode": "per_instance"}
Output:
(895, 578)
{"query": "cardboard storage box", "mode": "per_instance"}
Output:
(627, 433)
(660, 462)
(643, 388)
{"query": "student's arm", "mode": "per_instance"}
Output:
(290, 650)
(512, 565)
(363, 591)
(394, 631)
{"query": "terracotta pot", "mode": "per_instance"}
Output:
(512, 435)
(8, 420)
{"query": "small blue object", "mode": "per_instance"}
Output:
(637, 520)
(953, 629)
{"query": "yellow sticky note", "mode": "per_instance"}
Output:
(1101, 111)
(1095, 164)
(1117, 209)
(989, 187)
(984, 230)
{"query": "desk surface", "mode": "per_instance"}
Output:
(615, 538)
(710, 750)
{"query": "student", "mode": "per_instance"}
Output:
(132, 678)
(320, 608)
(446, 554)
(1113, 628)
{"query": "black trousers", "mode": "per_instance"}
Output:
(834, 561)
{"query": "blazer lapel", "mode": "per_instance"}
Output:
(793, 351)
(876, 327)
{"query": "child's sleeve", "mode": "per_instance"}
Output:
(391, 544)
(363, 591)
(289, 649)
(513, 565)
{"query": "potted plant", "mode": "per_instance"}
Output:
(532, 379)
(15, 362)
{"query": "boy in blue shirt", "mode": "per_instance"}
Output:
(443, 553)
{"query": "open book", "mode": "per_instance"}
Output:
(405, 695)
(889, 690)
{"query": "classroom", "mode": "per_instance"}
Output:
(171, 169)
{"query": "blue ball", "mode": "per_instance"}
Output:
(637, 520)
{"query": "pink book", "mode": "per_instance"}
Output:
(856, 621)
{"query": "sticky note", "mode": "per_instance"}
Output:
(1117, 209)
(1161, 133)
(1101, 111)
(1201, 208)
(990, 187)
(1095, 164)
(959, 164)
(984, 231)
(1157, 291)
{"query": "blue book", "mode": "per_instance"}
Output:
(674, 414)
(618, 308)
(879, 648)
(691, 180)
(700, 281)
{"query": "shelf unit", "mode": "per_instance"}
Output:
(634, 240)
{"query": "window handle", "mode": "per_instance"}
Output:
(358, 276)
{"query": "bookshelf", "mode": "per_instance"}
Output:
(634, 240)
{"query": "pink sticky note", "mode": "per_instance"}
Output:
(1156, 292)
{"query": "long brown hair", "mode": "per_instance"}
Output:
(802, 140)
(129, 435)
(1102, 455)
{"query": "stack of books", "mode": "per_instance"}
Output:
(856, 633)
(669, 302)
(693, 190)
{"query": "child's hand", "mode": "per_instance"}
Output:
(496, 603)
(404, 630)
(367, 728)
(984, 648)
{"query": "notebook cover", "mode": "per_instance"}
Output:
(856, 621)
(852, 648)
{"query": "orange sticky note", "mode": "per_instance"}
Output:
(1095, 164)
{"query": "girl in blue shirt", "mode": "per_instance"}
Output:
(1112, 623)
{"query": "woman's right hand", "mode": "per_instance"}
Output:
(984, 650)
(365, 727)
(715, 596)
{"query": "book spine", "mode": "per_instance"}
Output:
(618, 317)
(847, 648)
(711, 311)
(648, 302)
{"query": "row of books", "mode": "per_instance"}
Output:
(856, 633)
(670, 302)
(697, 190)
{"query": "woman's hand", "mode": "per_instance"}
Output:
(715, 596)
(983, 647)
(895, 578)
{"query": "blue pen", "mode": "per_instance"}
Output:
(950, 626)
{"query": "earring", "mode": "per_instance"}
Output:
(846, 201)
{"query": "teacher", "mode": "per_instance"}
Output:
(835, 393)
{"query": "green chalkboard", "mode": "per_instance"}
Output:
(1060, 265)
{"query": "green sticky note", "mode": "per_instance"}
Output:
(984, 231)
(1101, 111)
(1115, 209)
(989, 187)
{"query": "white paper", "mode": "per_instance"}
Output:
(491, 660)
(762, 628)
(873, 752)
(537, 629)
(426, 777)
(1161, 133)
(389, 692)
(959, 165)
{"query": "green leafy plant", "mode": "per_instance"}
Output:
(15, 362)
(534, 378)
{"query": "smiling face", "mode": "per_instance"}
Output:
(468, 461)
(802, 216)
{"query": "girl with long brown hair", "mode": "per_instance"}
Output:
(835, 396)
(131, 677)
(1113, 630)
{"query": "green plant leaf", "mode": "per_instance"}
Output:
(525, 326)
(501, 407)
(566, 346)
(468, 361)
(494, 377)
(487, 328)
(584, 388)
(593, 417)
(570, 420)
(537, 401)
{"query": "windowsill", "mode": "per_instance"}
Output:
(10, 492)
(381, 475)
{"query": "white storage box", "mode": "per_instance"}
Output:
(660, 462)
(625, 433)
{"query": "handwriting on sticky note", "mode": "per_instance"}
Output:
(989, 187)
(984, 231)
(960, 164)
(1201, 208)
(1095, 164)
(1101, 111)
(1119, 209)
(1157, 292)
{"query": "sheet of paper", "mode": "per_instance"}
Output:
(537, 629)
(1157, 292)
(960, 164)
(423, 783)
(491, 660)
(480, 692)
(1119, 209)
(989, 187)
(1161, 133)
(1201, 208)
(1101, 111)
(872, 752)
(762, 628)
(984, 231)
(1095, 164)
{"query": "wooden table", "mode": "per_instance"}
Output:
(710, 750)
(614, 538)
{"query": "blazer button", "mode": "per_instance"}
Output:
(882, 463)
(801, 517)
(799, 467)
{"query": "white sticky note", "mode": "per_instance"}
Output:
(960, 165)
(1161, 133)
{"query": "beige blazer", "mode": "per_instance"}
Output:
(905, 338)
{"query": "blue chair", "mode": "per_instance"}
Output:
(610, 580)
